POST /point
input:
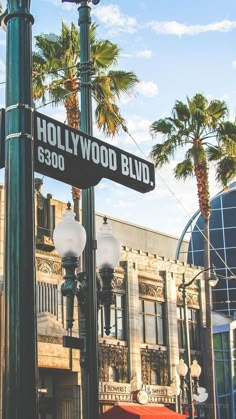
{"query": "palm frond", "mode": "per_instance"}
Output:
(163, 126)
(217, 110)
(184, 169)
(226, 170)
(214, 152)
(181, 111)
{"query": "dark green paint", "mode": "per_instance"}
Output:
(19, 389)
(90, 376)
(69, 288)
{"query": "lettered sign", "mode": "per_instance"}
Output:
(73, 157)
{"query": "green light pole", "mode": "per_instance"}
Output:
(89, 357)
(19, 389)
(90, 376)
(211, 281)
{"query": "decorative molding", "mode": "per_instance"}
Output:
(154, 360)
(113, 356)
(151, 290)
(192, 299)
(48, 266)
(119, 283)
(50, 339)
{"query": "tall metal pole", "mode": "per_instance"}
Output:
(19, 389)
(90, 375)
(212, 405)
(210, 363)
(188, 351)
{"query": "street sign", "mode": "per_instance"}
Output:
(73, 342)
(74, 157)
(71, 156)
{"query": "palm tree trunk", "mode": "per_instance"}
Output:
(76, 192)
(210, 367)
(73, 118)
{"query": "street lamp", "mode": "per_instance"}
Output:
(69, 239)
(212, 281)
(107, 256)
(190, 383)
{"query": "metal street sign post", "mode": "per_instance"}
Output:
(20, 398)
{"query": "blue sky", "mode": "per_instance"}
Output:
(176, 48)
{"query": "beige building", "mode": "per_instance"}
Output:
(147, 335)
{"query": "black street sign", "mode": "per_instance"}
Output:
(73, 157)
(73, 342)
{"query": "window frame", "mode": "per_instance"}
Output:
(158, 316)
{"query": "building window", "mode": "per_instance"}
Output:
(113, 374)
(194, 329)
(151, 322)
(47, 298)
(117, 330)
(154, 377)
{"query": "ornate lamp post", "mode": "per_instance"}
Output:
(69, 238)
(90, 378)
(212, 281)
(108, 256)
(191, 383)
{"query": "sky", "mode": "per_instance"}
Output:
(177, 49)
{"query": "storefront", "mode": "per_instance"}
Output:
(134, 411)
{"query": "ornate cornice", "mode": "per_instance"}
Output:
(151, 290)
(192, 299)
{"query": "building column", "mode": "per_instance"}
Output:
(133, 331)
(172, 325)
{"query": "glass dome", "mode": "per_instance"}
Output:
(222, 247)
(69, 236)
(108, 248)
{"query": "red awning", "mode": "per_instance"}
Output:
(140, 412)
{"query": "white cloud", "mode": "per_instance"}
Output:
(148, 88)
(136, 123)
(60, 115)
(147, 53)
(112, 18)
(180, 29)
(124, 204)
(234, 64)
(66, 6)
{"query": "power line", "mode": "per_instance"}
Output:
(179, 202)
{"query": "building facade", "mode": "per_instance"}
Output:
(147, 333)
(225, 355)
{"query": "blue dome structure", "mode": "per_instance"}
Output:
(222, 247)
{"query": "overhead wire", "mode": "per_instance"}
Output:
(146, 157)
(181, 205)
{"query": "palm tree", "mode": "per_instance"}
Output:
(191, 127)
(224, 153)
(56, 78)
